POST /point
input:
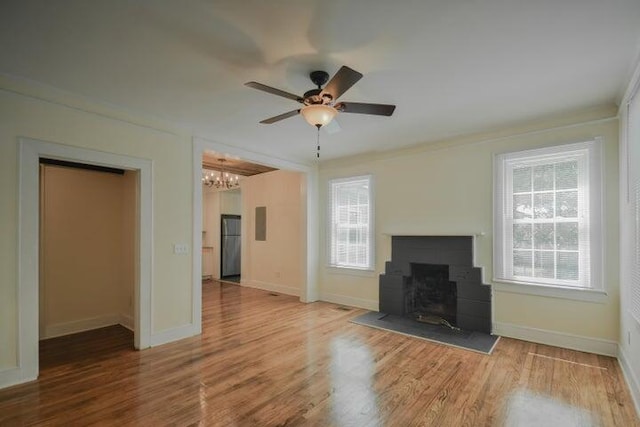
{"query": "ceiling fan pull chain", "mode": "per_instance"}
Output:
(318, 142)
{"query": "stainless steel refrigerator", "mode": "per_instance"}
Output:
(230, 244)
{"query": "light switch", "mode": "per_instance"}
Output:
(180, 248)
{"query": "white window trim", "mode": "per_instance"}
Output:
(336, 268)
(597, 291)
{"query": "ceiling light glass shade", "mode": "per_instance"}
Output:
(318, 114)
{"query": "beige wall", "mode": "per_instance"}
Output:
(446, 188)
(86, 277)
(274, 264)
(63, 119)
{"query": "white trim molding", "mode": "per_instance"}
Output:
(557, 339)
(174, 334)
(126, 320)
(576, 294)
(367, 304)
(271, 287)
(632, 381)
(80, 325)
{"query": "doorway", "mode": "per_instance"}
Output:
(30, 152)
(87, 247)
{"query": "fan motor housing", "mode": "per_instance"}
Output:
(315, 96)
(319, 78)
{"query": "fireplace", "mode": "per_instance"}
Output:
(431, 293)
(433, 277)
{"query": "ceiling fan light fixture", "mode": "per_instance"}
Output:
(318, 114)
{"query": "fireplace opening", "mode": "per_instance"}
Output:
(431, 296)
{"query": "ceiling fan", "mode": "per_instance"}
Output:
(320, 105)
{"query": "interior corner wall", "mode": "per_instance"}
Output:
(276, 263)
(83, 250)
(448, 190)
(45, 116)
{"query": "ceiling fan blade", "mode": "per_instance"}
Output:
(341, 82)
(280, 117)
(365, 108)
(273, 91)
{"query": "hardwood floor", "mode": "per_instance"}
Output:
(270, 360)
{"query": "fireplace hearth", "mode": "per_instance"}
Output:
(432, 279)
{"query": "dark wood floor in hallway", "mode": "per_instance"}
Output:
(267, 360)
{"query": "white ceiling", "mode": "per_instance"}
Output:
(452, 67)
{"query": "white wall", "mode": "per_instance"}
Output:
(277, 263)
(629, 181)
(87, 255)
(45, 114)
(446, 188)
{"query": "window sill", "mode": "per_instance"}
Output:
(589, 295)
(350, 271)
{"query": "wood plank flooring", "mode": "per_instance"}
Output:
(266, 360)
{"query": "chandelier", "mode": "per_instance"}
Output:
(220, 179)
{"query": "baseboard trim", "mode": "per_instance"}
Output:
(632, 381)
(81, 325)
(174, 334)
(126, 320)
(350, 301)
(272, 287)
(557, 339)
(14, 376)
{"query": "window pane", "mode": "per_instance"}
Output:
(522, 263)
(543, 265)
(543, 177)
(522, 206)
(567, 265)
(364, 214)
(567, 175)
(543, 205)
(350, 222)
(543, 236)
(521, 180)
(522, 236)
(343, 214)
(353, 216)
(567, 204)
(567, 236)
(544, 223)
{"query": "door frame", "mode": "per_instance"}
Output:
(310, 236)
(29, 154)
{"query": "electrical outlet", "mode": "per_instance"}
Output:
(180, 248)
(277, 274)
(629, 337)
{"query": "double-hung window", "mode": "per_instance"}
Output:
(547, 216)
(350, 223)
